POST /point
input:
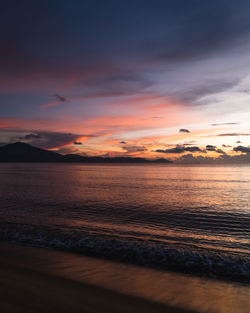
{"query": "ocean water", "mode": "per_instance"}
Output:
(192, 219)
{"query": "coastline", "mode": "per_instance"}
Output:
(199, 263)
(39, 280)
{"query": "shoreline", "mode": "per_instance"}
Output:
(199, 263)
(40, 280)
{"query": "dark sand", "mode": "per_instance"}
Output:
(23, 290)
(37, 280)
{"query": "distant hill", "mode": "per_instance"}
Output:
(23, 152)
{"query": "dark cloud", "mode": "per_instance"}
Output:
(238, 141)
(221, 124)
(194, 149)
(70, 150)
(226, 146)
(177, 149)
(220, 151)
(183, 130)
(242, 149)
(118, 84)
(233, 134)
(222, 159)
(189, 143)
(210, 148)
(131, 149)
(180, 149)
(60, 98)
(77, 143)
(215, 149)
(190, 94)
(208, 27)
(50, 139)
(31, 136)
(171, 31)
(123, 142)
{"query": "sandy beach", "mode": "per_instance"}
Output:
(24, 287)
(23, 290)
(38, 280)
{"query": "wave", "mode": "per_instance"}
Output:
(130, 250)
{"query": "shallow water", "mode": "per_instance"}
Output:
(192, 219)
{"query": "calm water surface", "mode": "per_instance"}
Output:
(188, 218)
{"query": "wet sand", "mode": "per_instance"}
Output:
(23, 290)
(38, 280)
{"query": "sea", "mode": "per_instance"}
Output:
(192, 219)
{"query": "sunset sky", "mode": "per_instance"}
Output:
(156, 79)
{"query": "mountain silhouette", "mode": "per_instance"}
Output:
(23, 152)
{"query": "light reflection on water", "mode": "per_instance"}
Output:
(199, 208)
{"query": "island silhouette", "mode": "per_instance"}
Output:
(23, 152)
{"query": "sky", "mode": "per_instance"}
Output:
(154, 79)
